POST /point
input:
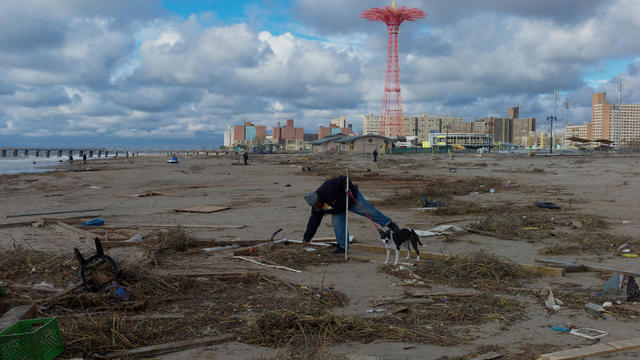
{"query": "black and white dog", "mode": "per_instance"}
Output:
(395, 240)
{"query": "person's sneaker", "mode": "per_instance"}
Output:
(394, 227)
(338, 250)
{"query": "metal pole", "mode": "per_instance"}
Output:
(346, 219)
(555, 112)
(619, 109)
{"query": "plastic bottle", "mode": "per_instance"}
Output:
(121, 291)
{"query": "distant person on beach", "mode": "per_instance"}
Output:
(70, 159)
(84, 159)
(375, 155)
(245, 157)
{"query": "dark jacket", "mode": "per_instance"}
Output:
(332, 193)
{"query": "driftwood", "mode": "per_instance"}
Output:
(17, 313)
(587, 267)
(266, 265)
(53, 212)
(598, 349)
(153, 350)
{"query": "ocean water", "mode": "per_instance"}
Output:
(28, 164)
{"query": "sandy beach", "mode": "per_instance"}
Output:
(491, 197)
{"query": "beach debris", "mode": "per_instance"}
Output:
(595, 307)
(92, 222)
(488, 356)
(121, 291)
(439, 230)
(96, 266)
(147, 351)
(607, 304)
(547, 205)
(613, 285)
(173, 160)
(267, 265)
(431, 204)
(591, 334)
(135, 238)
(52, 212)
(17, 313)
(633, 292)
(374, 311)
(552, 303)
(560, 329)
(206, 209)
(453, 170)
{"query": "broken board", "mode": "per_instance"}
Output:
(17, 313)
(593, 350)
(206, 209)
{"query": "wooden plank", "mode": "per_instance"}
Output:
(588, 267)
(422, 292)
(163, 226)
(53, 212)
(73, 229)
(16, 224)
(153, 350)
(626, 344)
(206, 209)
(542, 270)
(488, 356)
(266, 265)
(17, 313)
(567, 266)
(210, 274)
(114, 244)
(579, 353)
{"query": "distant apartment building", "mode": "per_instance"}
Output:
(584, 131)
(340, 121)
(249, 134)
(604, 120)
(513, 129)
(228, 137)
(510, 130)
(281, 135)
(336, 126)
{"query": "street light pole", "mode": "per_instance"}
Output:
(619, 109)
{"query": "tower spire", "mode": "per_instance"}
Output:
(391, 117)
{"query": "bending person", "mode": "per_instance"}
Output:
(330, 198)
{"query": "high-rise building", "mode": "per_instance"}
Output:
(340, 121)
(604, 120)
(288, 133)
(228, 137)
(333, 130)
(249, 134)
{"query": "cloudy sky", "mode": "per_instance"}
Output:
(169, 73)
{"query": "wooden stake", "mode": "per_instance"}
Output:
(346, 219)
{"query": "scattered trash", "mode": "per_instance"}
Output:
(474, 193)
(633, 292)
(591, 334)
(453, 170)
(427, 204)
(551, 303)
(375, 311)
(607, 304)
(547, 205)
(613, 285)
(173, 160)
(623, 246)
(121, 291)
(492, 190)
(560, 329)
(626, 250)
(2, 292)
(135, 238)
(32, 339)
(594, 307)
(96, 261)
(630, 255)
(93, 222)
(507, 185)
(439, 230)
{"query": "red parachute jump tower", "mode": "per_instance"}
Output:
(391, 118)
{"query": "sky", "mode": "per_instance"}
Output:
(175, 74)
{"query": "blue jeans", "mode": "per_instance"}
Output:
(338, 220)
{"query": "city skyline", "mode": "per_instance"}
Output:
(179, 72)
